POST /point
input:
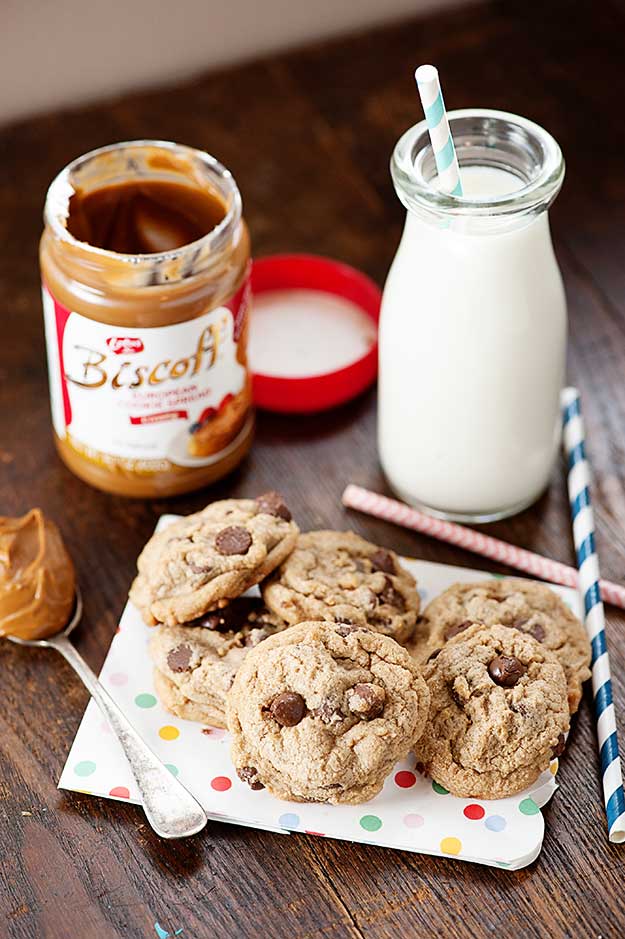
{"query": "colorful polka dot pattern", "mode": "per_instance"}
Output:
(403, 779)
(528, 807)
(412, 812)
(119, 792)
(289, 820)
(145, 700)
(118, 679)
(85, 768)
(477, 813)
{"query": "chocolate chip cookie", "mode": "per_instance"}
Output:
(498, 712)
(524, 604)
(195, 664)
(203, 560)
(337, 575)
(321, 712)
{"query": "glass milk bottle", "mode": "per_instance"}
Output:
(473, 323)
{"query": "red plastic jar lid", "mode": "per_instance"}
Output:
(316, 392)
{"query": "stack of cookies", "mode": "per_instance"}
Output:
(329, 676)
(505, 661)
(190, 583)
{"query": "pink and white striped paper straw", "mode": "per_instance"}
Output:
(363, 500)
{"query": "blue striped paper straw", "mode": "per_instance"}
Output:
(431, 96)
(594, 617)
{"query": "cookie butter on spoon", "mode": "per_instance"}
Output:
(40, 605)
(37, 577)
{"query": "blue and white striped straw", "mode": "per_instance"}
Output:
(431, 95)
(588, 566)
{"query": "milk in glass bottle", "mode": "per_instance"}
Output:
(473, 322)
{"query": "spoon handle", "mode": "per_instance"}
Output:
(170, 809)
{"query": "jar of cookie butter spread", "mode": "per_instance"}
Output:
(145, 263)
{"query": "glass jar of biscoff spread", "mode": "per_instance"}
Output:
(145, 263)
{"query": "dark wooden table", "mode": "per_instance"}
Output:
(308, 137)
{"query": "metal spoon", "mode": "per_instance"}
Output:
(170, 809)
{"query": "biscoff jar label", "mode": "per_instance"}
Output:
(144, 400)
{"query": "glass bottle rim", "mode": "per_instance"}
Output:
(61, 189)
(416, 192)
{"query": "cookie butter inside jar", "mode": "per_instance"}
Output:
(145, 263)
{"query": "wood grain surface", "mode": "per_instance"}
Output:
(308, 137)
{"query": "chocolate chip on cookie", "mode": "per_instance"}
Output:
(366, 700)
(199, 568)
(456, 629)
(506, 670)
(560, 746)
(249, 775)
(233, 540)
(179, 659)
(231, 617)
(288, 708)
(536, 630)
(213, 620)
(327, 712)
(345, 629)
(391, 596)
(382, 560)
(272, 503)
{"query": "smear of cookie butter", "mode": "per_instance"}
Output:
(37, 577)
